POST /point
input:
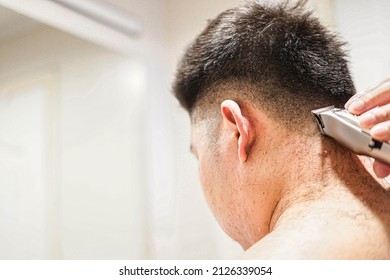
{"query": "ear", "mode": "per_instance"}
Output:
(239, 125)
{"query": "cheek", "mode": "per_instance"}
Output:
(221, 196)
(205, 176)
(216, 186)
(208, 174)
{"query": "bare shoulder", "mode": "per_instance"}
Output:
(273, 247)
(321, 238)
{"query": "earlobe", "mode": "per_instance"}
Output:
(239, 124)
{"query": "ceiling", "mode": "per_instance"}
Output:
(72, 21)
(12, 23)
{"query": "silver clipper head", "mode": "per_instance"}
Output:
(344, 127)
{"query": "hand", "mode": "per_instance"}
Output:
(373, 108)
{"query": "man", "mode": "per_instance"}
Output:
(276, 185)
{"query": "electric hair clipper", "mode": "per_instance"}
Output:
(344, 127)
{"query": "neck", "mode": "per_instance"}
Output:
(321, 174)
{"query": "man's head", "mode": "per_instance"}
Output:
(249, 79)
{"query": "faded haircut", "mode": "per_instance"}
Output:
(276, 55)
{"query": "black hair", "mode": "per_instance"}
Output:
(281, 50)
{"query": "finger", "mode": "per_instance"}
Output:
(381, 170)
(360, 94)
(381, 131)
(375, 116)
(354, 98)
(380, 95)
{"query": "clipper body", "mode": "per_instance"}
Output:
(345, 129)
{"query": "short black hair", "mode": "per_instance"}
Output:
(281, 49)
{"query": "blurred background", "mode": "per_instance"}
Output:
(94, 150)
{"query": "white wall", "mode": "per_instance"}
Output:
(365, 26)
(24, 184)
(93, 175)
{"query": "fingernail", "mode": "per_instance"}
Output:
(381, 131)
(354, 98)
(349, 102)
(367, 119)
(381, 170)
(356, 106)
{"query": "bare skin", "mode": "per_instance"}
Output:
(373, 108)
(349, 220)
(283, 195)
